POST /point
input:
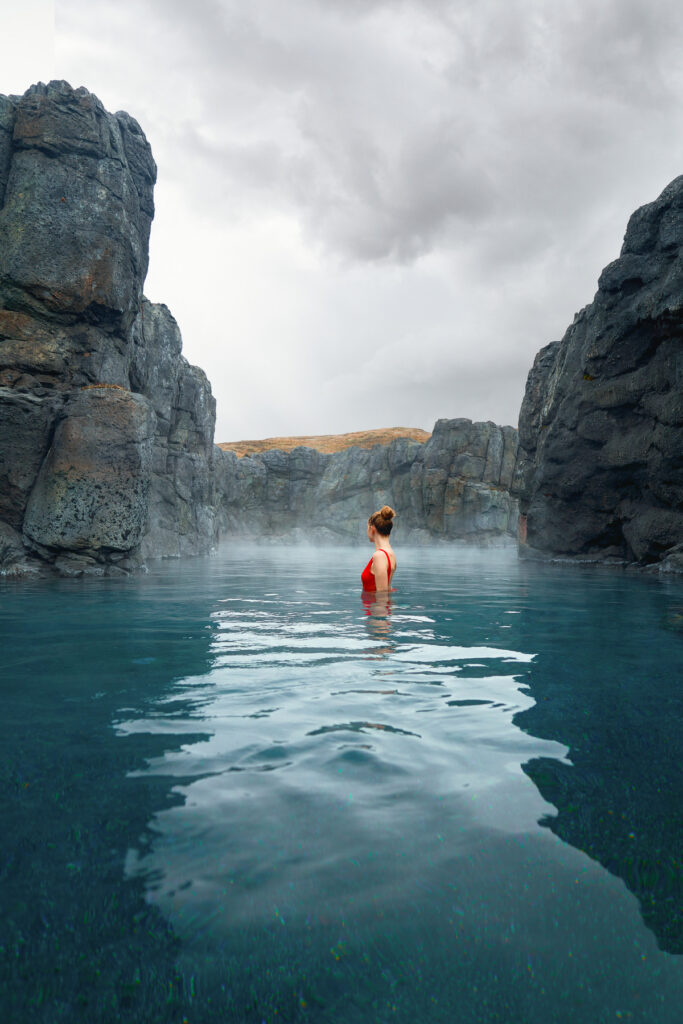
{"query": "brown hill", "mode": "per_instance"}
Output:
(328, 443)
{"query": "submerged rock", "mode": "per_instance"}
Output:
(600, 469)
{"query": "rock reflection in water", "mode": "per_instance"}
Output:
(323, 797)
(79, 941)
(620, 799)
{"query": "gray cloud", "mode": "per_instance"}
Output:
(473, 162)
(395, 128)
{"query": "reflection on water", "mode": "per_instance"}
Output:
(254, 795)
(77, 943)
(378, 609)
(620, 799)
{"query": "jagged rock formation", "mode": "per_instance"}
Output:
(600, 470)
(106, 432)
(455, 487)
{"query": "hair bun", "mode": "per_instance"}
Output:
(382, 520)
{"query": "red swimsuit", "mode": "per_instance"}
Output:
(368, 577)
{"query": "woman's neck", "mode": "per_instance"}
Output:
(381, 542)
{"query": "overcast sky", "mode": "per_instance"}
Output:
(374, 212)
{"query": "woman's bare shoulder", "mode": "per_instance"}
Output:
(379, 559)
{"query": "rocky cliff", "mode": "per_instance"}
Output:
(106, 432)
(328, 443)
(453, 487)
(600, 470)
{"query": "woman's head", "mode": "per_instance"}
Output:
(382, 521)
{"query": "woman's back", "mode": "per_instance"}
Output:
(378, 573)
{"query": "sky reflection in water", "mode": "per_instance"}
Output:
(394, 809)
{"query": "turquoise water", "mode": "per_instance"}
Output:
(233, 791)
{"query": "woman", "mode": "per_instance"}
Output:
(378, 573)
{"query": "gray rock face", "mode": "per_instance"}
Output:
(12, 553)
(26, 428)
(77, 208)
(92, 489)
(454, 487)
(183, 502)
(106, 432)
(600, 470)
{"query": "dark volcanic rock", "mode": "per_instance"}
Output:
(454, 487)
(183, 499)
(13, 559)
(600, 470)
(77, 208)
(92, 490)
(7, 112)
(25, 430)
(105, 430)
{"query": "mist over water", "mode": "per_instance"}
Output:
(275, 798)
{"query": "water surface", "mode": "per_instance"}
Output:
(238, 792)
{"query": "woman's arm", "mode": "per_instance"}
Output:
(380, 568)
